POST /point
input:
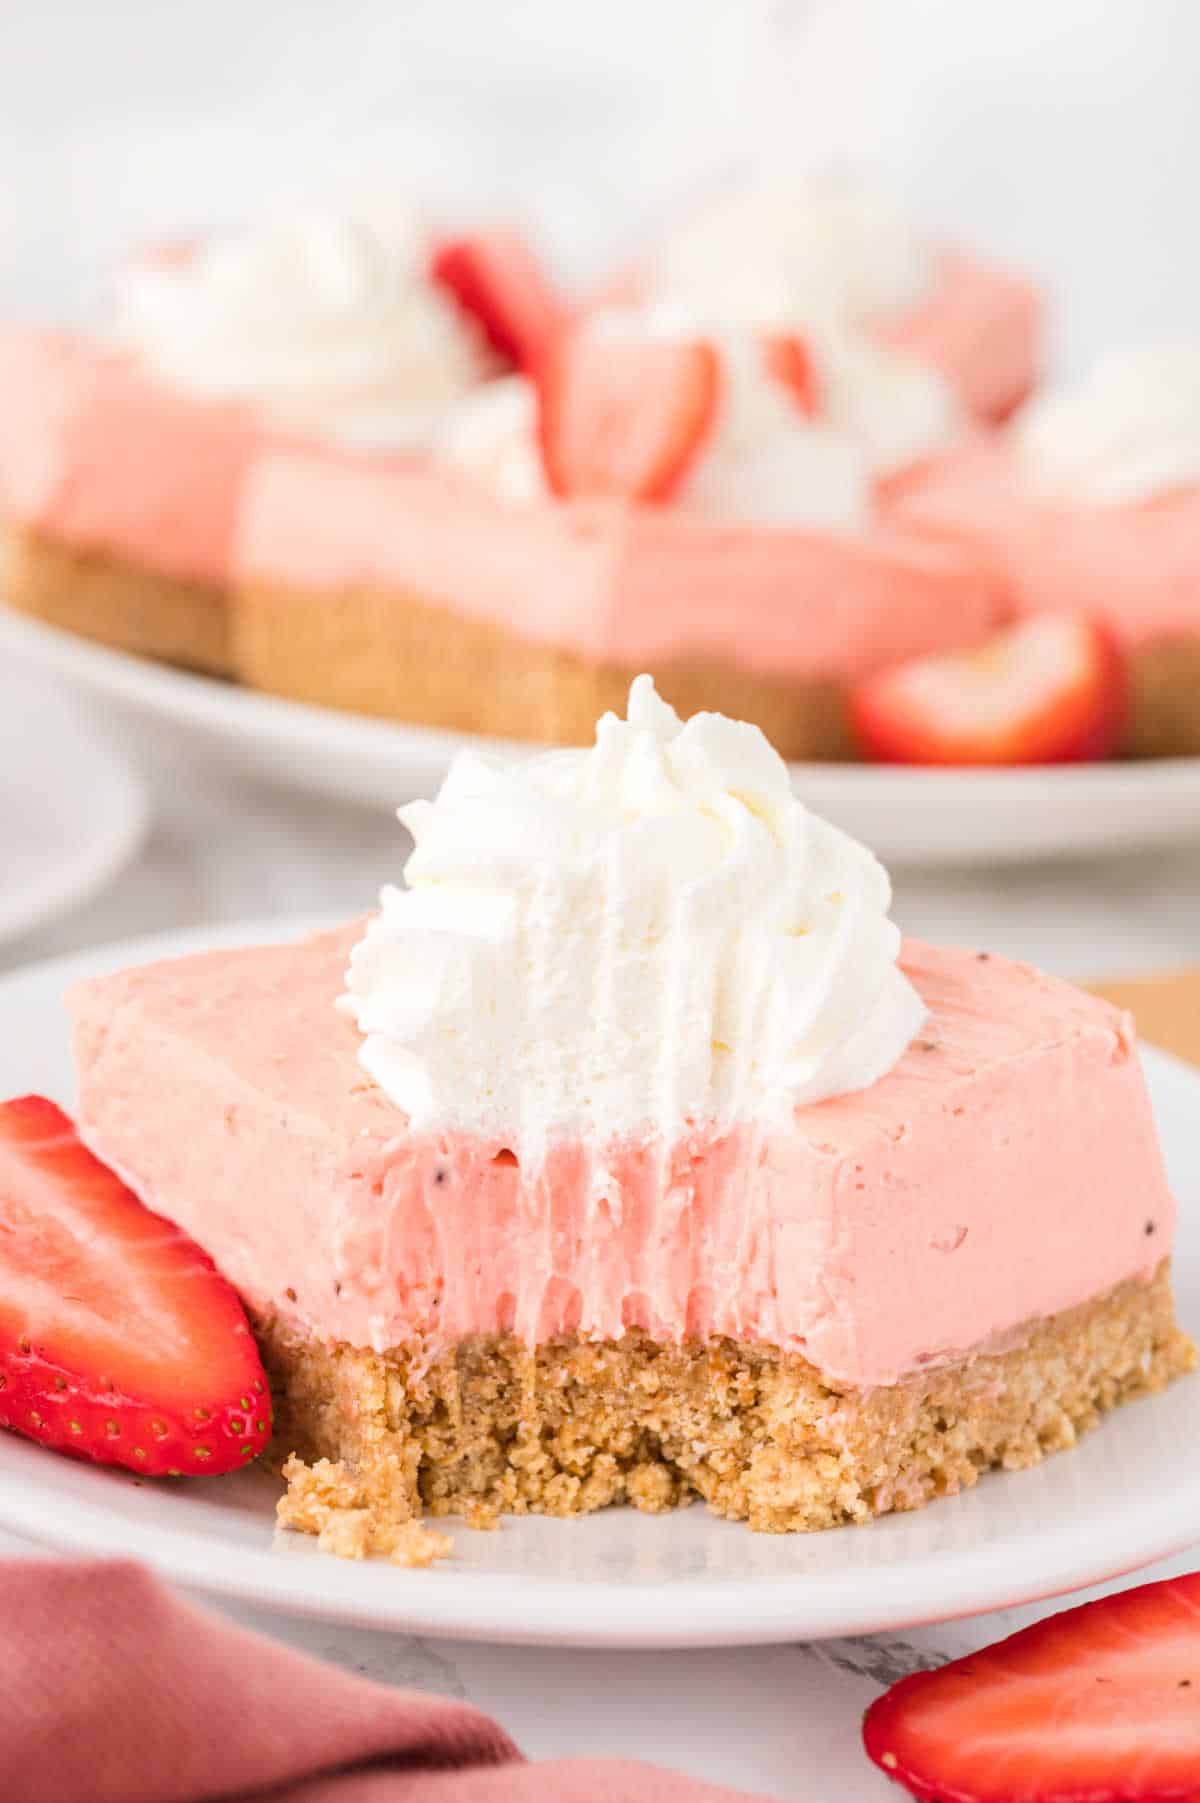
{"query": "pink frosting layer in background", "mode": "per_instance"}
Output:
(101, 457)
(612, 582)
(981, 327)
(1137, 566)
(1007, 1168)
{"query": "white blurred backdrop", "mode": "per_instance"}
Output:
(1063, 134)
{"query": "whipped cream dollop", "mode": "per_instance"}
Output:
(829, 243)
(896, 408)
(765, 461)
(650, 934)
(327, 321)
(492, 437)
(1128, 432)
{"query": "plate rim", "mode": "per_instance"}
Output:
(473, 1605)
(467, 1604)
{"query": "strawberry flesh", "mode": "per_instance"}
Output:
(119, 1340)
(496, 279)
(624, 417)
(1100, 1704)
(1049, 690)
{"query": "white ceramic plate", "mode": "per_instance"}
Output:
(71, 813)
(1130, 1493)
(906, 816)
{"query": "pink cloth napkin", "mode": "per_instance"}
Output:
(114, 1690)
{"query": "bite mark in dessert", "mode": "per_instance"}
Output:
(628, 1162)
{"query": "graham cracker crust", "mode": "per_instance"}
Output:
(1164, 698)
(374, 651)
(100, 596)
(496, 1428)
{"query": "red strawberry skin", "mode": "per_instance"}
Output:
(624, 418)
(789, 360)
(968, 707)
(119, 1340)
(496, 278)
(1100, 1704)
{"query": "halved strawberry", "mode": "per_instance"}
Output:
(119, 1340)
(789, 361)
(624, 416)
(1047, 691)
(496, 278)
(1098, 1705)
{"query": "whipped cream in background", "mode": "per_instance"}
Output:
(765, 462)
(1128, 432)
(828, 244)
(491, 436)
(325, 320)
(896, 408)
(651, 934)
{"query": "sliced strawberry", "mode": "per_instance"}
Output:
(1098, 1705)
(1046, 691)
(789, 361)
(119, 1341)
(496, 278)
(625, 416)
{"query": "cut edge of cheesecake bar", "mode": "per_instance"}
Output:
(369, 1442)
(98, 594)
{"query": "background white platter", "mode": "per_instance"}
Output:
(1130, 1493)
(906, 816)
(71, 812)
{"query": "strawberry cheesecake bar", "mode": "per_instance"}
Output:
(123, 454)
(1090, 505)
(701, 499)
(625, 1154)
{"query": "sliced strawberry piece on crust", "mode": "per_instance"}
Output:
(1100, 1704)
(1047, 691)
(790, 362)
(496, 278)
(119, 1340)
(625, 416)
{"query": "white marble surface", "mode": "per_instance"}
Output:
(782, 1721)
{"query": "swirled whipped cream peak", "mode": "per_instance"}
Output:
(1128, 432)
(642, 938)
(327, 321)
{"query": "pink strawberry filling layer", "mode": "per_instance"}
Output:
(981, 328)
(612, 582)
(1005, 1169)
(1135, 566)
(104, 459)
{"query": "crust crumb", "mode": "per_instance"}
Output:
(357, 1517)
